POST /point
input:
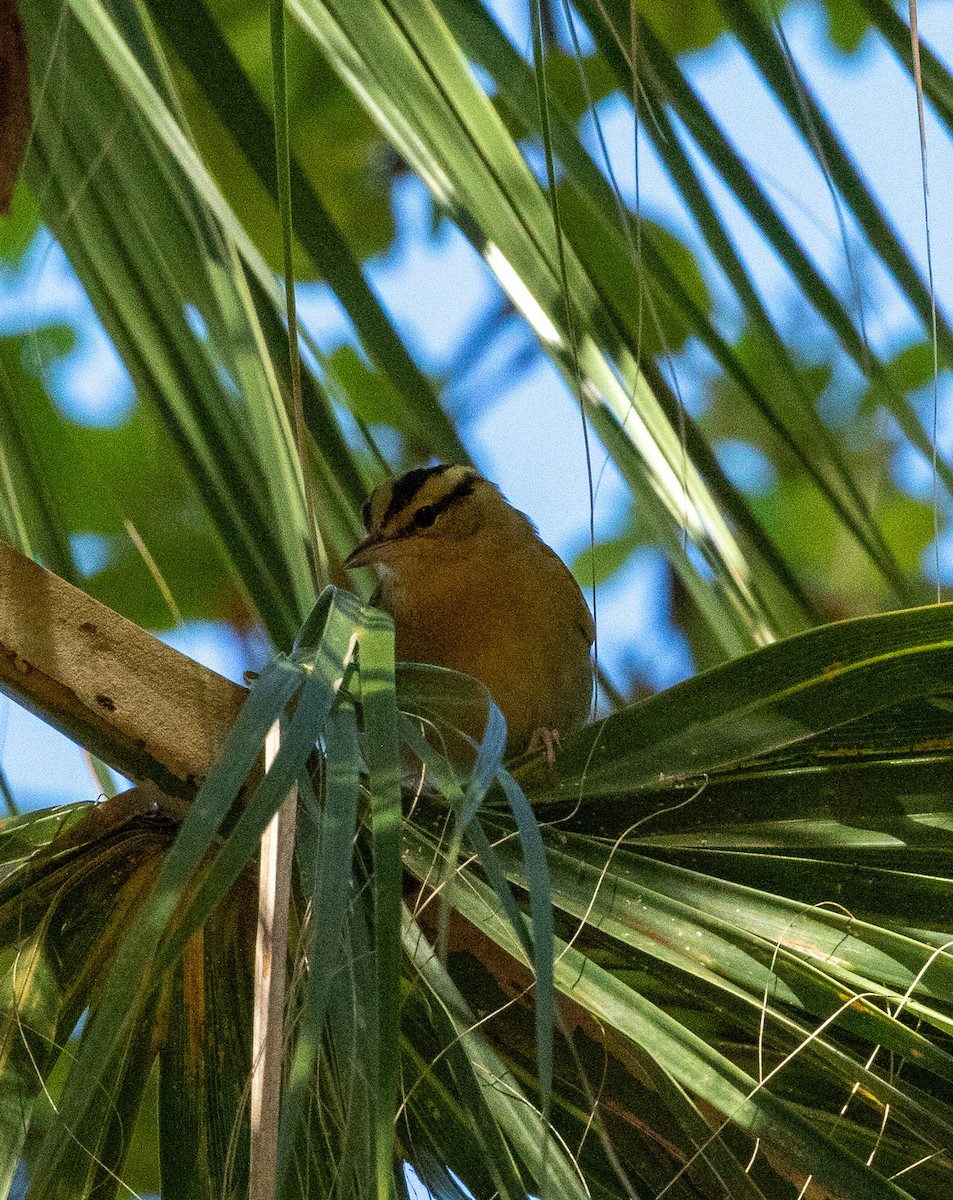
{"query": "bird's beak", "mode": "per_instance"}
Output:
(367, 552)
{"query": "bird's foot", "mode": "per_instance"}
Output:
(545, 737)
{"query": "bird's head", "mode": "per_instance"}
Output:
(431, 512)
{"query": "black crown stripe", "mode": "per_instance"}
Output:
(407, 487)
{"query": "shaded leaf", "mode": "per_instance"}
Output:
(14, 100)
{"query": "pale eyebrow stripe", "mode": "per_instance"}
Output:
(406, 488)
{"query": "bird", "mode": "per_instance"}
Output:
(470, 585)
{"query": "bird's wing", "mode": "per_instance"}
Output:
(582, 617)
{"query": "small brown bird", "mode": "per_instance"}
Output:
(471, 586)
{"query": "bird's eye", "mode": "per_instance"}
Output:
(425, 516)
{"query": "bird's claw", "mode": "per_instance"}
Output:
(548, 738)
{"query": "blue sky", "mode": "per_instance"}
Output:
(527, 435)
